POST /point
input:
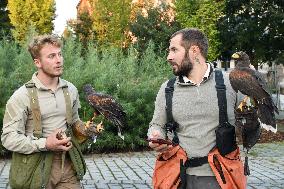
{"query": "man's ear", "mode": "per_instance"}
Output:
(37, 63)
(195, 49)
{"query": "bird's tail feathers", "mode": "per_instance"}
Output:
(119, 133)
(121, 123)
(268, 127)
(266, 114)
(276, 109)
(269, 102)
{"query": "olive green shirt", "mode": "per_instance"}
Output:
(18, 126)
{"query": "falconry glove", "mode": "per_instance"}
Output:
(247, 121)
(249, 124)
(247, 118)
(82, 131)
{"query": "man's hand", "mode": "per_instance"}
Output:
(57, 144)
(156, 146)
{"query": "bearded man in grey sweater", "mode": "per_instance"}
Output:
(194, 104)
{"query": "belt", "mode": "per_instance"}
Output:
(196, 161)
(191, 162)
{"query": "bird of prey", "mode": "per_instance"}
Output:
(250, 82)
(107, 106)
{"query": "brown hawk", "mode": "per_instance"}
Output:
(251, 83)
(107, 106)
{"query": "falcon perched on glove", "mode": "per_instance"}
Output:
(107, 106)
(251, 83)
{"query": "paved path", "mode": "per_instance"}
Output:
(134, 170)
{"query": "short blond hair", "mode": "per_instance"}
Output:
(38, 42)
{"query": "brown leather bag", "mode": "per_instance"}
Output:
(167, 168)
(229, 169)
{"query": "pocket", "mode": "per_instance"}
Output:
(22, 169)
(166, 173)
(29, 170)
(167, 168)
(226, 139)
(229, 169)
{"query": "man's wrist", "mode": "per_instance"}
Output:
(41, 144)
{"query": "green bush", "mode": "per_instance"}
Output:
(131, 79)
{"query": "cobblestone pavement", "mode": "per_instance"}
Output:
(134, 170)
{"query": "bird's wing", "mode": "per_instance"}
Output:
(108, 107)
(249, 83)
(261, 80)
(234, 76)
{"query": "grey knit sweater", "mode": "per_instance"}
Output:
(196, 110)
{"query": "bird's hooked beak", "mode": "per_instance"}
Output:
(236, 56)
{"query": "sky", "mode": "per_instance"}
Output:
(65, 10)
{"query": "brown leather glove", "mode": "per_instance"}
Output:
(82, 131)
(247, 118)
(247, 121)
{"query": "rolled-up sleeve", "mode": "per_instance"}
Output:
(14, 136)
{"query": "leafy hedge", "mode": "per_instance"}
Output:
(133, 81)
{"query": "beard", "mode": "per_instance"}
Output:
(52, 73)
(184, 68)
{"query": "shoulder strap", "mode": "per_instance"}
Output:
(68, 105)
(169, 90)
(68, 118)
(221, 94)
(171, 125)
(35, 108)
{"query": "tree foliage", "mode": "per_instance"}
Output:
(111, 21)
(141, 6)
(254, 26)
(83, 28)
(156, 26)
(204, 15)
(25, 14)
(5, 25)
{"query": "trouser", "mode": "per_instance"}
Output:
(201, 182)
(62, 179)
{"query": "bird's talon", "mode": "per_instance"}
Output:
(88, 124)
(243, 104)
(100, 127)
